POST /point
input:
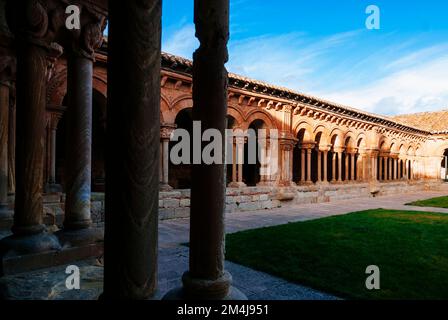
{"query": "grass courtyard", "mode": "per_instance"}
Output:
(331, 254)
(439, 202)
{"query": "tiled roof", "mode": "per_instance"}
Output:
(406, 122)
(435, 121)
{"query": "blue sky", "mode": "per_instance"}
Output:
(322, 47)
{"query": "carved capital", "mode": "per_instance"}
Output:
(166, 130)
(85, 41)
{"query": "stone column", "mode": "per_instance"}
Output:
(446, 167)
(308, 165)
(347, 168)
(206, 278)
(360, 167)
(12, 148)
(165, 134)
(80, 57)
(319, 166)
(33, 46)
(286, 144)
(233, 164)
(267, 167)
(51, 185)
(333, 165)
(374, 165)
(352, 167)
(405, 169)
(386, 168)
(396, 168)
(239, 146)
(302, 164)
(381, 168)
(389, 166)
(132, 150)
(5, 212)
(339, 166)
(325, 154)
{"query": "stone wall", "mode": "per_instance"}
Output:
(176, 203)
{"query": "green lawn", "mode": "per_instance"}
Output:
(440, 202)
(331, 254)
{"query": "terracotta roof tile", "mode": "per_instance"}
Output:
(436, 121)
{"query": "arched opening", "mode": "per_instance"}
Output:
(251, 171)
(60, 148)
(99, 103)
(444, 166)
(316, 169)
(349, 167)
(179, 176)
(231, 123)
(98, 141)
(359, 160)
(299, 161)
(336, 156)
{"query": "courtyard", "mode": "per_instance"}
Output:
(257, 261)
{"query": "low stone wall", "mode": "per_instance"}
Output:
(176, 203)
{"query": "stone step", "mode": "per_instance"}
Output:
(24, 263)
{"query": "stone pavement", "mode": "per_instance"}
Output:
(173, 257)
(173, 232)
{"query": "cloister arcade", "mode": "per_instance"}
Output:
(323, 146)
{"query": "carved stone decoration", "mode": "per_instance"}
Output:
(132, 149)
(80, 51)
(29, 21)
(206, 278)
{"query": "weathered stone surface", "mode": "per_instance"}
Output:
(133, 149)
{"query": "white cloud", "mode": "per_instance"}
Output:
(350, 68)
(182, 42)
(422, 87)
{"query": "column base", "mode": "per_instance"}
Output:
(165, 187)
(52, 188)
(27, 244)
(203, 289)
(80, 237)
(265, 183)
(237, 185)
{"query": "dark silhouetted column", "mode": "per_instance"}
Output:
(5, 212)
(133, 149)
(33, 47)
(206, 278)
(80, 56)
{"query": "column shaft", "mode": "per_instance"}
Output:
(165, 161)
(206, 278)
(325, 166)
(381, 169)
(319, 166)
(339, 166)
(302, 165)
(4, 119)
(352, 166)
(308, 165)
(12, 150)
(333, 167)
(30, 133)
(347, 169)
(233, 162)
(133, 147)
(79, 142)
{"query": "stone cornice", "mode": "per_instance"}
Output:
(184, 66)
